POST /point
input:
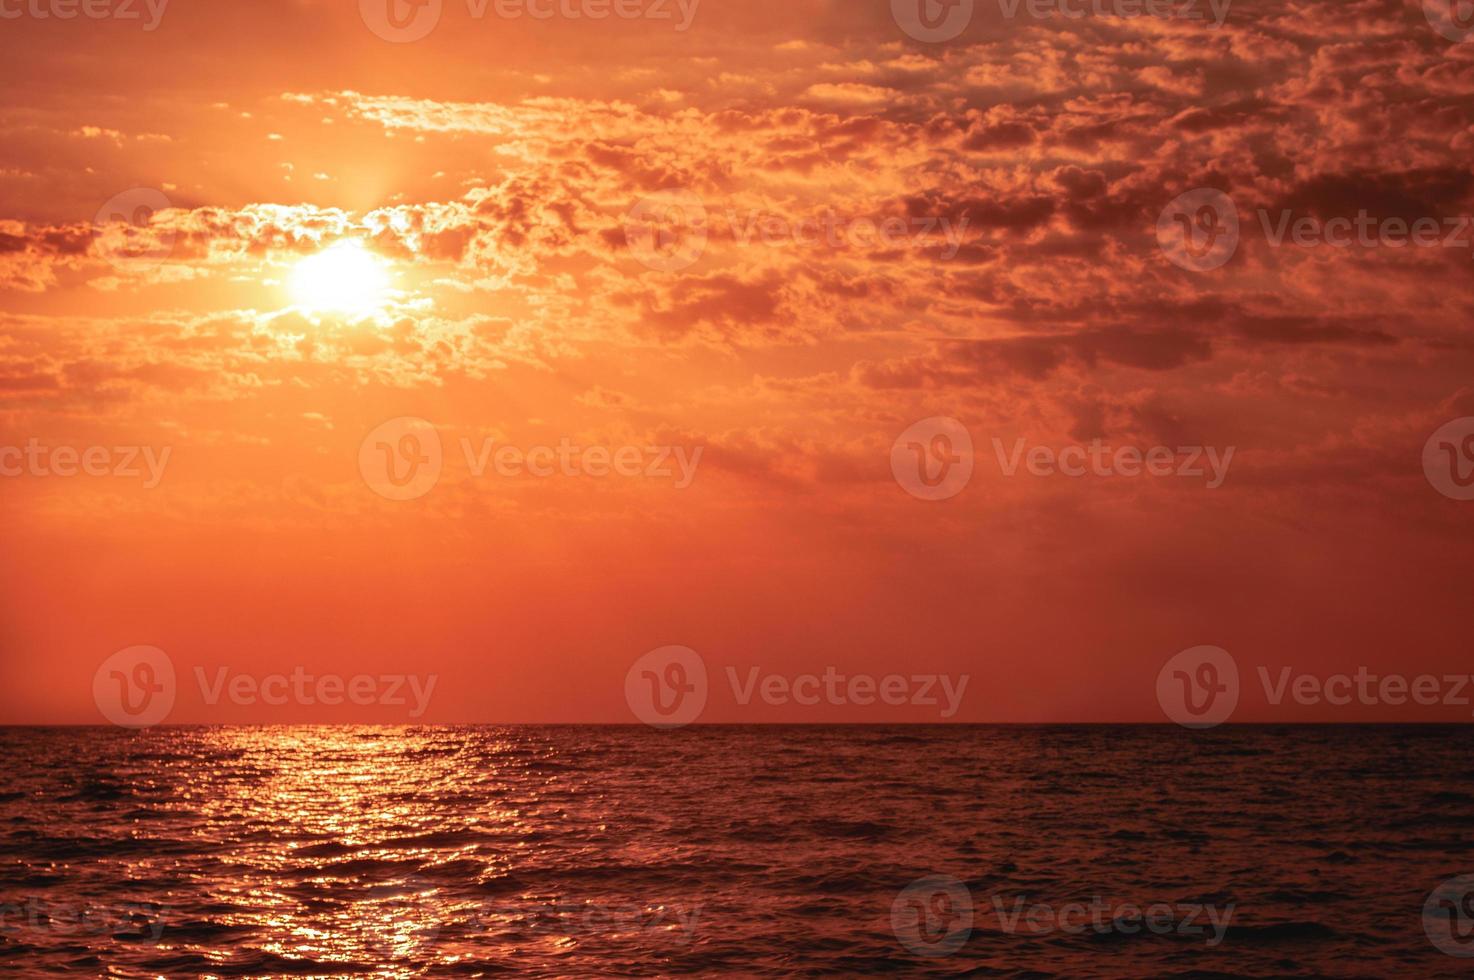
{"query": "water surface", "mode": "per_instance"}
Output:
(754, 851)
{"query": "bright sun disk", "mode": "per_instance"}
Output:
(343, 278)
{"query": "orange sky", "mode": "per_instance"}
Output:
(492, 166)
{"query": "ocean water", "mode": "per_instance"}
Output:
(752, 851)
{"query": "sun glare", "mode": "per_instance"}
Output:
(343, 278)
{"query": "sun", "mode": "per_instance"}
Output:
(344, 278)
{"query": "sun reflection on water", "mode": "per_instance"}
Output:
(345, 830)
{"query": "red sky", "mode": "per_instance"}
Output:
(491, 166)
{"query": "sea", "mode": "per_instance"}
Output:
(753, 851)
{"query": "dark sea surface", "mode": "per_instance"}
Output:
(756, 851)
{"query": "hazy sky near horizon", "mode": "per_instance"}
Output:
(490, 170)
